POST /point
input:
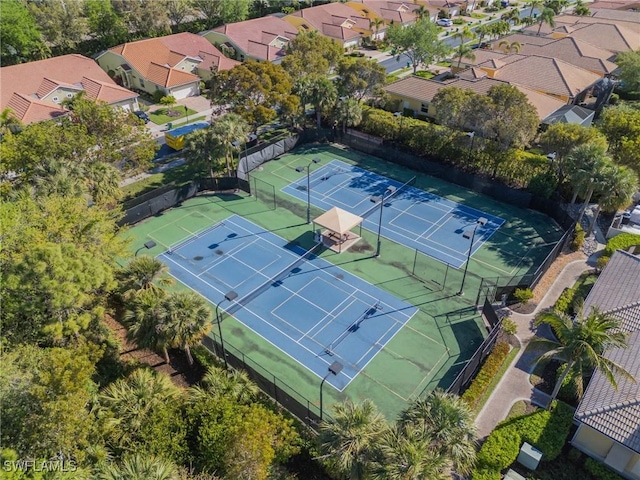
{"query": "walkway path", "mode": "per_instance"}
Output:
(515, 383)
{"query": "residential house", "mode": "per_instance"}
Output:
(450, 7)
(35, 91)
(550, 76)
(337, 21)
(608, 36)
(571, 114)
(263, 39)
(609, 418)
(415, 94)
(392, 12)
(174, 64)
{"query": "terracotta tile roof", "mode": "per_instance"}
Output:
(29, 110)
(618, 15)
(616, 413)
(250, 35)
(27, 79)
(423, 90)
(472, 74)
(575, 52)
(625, 6)
(606, 34)
(545, 74)
(522, 39)
(106, 92)
(155, 58)
(618, 283)
(331, 18)
(481, 55)
(395, 11)
(571, 114)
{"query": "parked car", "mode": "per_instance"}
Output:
(444, 22)
(504, 3)
(142, 116)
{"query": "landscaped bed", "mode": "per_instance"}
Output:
(166, 115)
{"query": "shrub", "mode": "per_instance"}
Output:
(602, 262)
(600, 471)
(484, 474)
(614, 99)
(621, 242)
(500, 450)
(543, 184)
(578, 238)
(157, 96)
(523, 295)
(565, 301)
(509, 327)
(491, 366)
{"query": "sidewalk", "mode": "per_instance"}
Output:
(515, 384)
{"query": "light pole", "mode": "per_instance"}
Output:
(390, 190)
(308, 168)
(335, 368)
(480, 222)
(148, 245)
(230, 296)
(472, 136)
(399, 114)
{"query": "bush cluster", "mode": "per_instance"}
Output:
(572, 298)
(600, 471)
(624, 241)
(546, 430)
(578, 238)
(491, 366)
(523, 295)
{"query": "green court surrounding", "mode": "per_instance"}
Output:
(435, 343)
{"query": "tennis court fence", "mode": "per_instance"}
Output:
(282, 394)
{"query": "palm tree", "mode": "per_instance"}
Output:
(422, 12)
(546, 17)
(229, 129)
(512, 16)
(130, 402)
(534, 4)
(148, 322)
(580, 162)
(188, 319)
(141, 467)
(375, 24)
(620, 183)
(463, 50)
(9, 122)
(348, 439)
(322, 95)
(144, 273)
(405, 453)
(234, 384)
(507, 47)
(482, 31)
(581, 9)
(449, 425)
(581, 344)
(103, 183)
(203, 149)
(59, 177)
(349, 113)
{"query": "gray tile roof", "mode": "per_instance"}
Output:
(618, 285)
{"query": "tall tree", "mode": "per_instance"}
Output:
(144, 19)
(581, 344)
(189, 319)
(621, 126)
(311, 54)
(178, 12)
(234, 384)
(561, 138)
(463, 50)
(208, 10)
(546, 16)
(359, 78)
(619, 185)
(148, 322)
(9, 123)
(629, 65)
(419, 42)
(234, 10)
(581, 9)
(451, 106)
(534, 4)
(231, 130)
(348, 113)
(204, 151)
(514, 120)
(510, 47)
(20, 38)
(512, 16)
(143, 273)
(104, 24)
(62, 23)
(322, 95)
(348, 440)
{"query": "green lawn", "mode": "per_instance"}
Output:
(191, 120)
(160, 117)
(425, 74)
(179, 175)
(479, 15)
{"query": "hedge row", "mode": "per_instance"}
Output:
(624, 241)
(546, 430)
(491, 366)
(600, 471)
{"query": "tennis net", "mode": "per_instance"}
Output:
(400, 189)
(265, 286)
(353, 327)
(196, 235)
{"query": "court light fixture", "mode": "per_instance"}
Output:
(308, 168)
(470, 234)
(387, 193)
(335, 368)
(148, 245)
(229, 296)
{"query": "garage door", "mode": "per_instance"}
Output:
(190, 90)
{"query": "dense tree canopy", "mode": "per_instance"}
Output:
(20, 38)
(419, 42)
(359, 78)
(621, 126)
(629, 64)
(311, 54)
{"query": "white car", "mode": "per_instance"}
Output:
(444, 22)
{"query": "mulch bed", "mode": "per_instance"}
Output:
(523, 308)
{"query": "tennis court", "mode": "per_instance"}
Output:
(410, 216)
(313, 311)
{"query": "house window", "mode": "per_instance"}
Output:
(424, 107)
(142, 83)
(69, 95)
(55, 99)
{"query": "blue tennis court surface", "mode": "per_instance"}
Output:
(413, 217)
(310, 309)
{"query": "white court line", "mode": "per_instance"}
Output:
(352, 301)
(221, 258)
(376, 344)
(255, 270)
